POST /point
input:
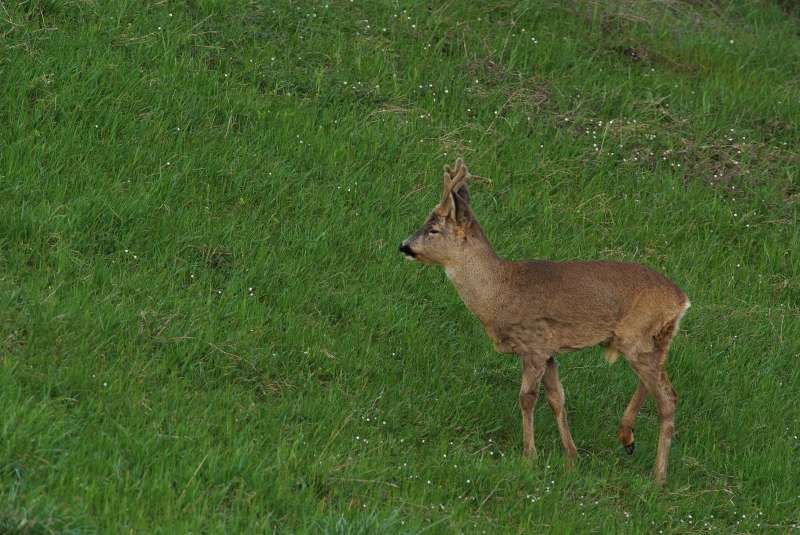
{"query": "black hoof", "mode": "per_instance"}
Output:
(630, 447)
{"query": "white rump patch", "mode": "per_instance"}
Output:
(680, 316)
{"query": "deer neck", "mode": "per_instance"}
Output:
(477, 276)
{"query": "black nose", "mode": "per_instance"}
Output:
(405, 249)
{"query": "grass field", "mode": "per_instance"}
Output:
(205, 325)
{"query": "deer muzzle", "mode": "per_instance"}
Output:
(406, 250)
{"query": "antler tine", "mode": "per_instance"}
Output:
(460, 173)
(447, 178)
(454, 176)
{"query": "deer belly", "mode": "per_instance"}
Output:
(545, 336)
(520, 339)
(571, 337)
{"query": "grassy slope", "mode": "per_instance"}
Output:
(204, 324)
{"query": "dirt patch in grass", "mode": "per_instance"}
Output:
(732, 165)
(487, 72)
(640, 54)
(532, 95)
(635, 54)
(733, 162)
(525, 94)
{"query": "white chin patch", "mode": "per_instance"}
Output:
(408, 257)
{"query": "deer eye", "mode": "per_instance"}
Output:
(433, 231)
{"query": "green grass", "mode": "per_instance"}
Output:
(204, 322)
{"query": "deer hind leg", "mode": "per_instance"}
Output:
(533, 368)
(556, 398)
(667, 415)
(625, 433)
(649, 367)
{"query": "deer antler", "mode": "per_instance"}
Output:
(453, 178)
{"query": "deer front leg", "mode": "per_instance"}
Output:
(533, 368)
(555, 396)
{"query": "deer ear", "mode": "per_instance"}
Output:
(447, 206)
(462, 194)
(463, 211)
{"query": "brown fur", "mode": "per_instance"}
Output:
(537, 309)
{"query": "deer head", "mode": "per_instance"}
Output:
(445, 236)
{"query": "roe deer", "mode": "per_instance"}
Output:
(539, 308)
